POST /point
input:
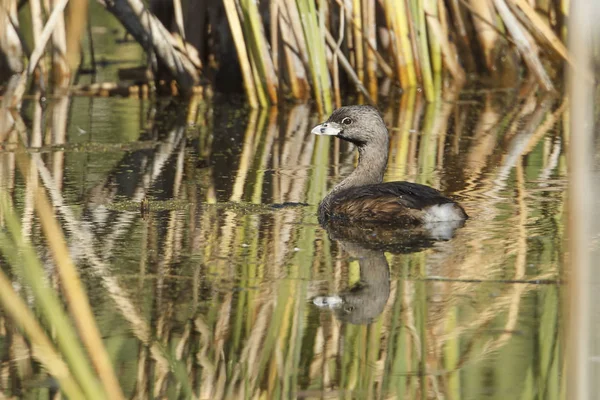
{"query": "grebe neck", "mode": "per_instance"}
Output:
(372, 161)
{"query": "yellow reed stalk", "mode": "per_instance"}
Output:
(295, 66)
(394, 43)
(370, 37)
(61, 70)
(381, 62)
(43, 350)
(77, 16)
(359, 65)
(240, 46)
(315, 34)
(404, 58)
(48, 302)
(260, 89)
(424, 53)
(260, 53)
(448, 52)
(322, 51)
(76, 297)
(431, 11)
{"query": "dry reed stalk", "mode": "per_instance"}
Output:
(43, 350)
(10, 44)
(359, 59)
(77, 16)
(483, 26)
(295, 66)
(240, 46)
(274, 11)
(19, 88)
(260, 51)
(370, 38)
(544, 29)
(37, 23)
(450, 58)
(335, 68)
(156, 40)
(61, 71)
(425, 60)
(526, 46)
(381, 62)
(432, 12)
(348, 68)
(178, 16)
(314, 32)
(399, 33)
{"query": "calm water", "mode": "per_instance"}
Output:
(214, 292)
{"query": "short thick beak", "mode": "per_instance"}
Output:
(327, 128)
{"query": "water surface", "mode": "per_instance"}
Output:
(213, 292)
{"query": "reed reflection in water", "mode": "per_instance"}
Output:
(211, 294)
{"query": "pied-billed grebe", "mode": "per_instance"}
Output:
(363, 196)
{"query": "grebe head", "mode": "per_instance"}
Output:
(360, 125)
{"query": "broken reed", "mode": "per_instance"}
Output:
(415, 43)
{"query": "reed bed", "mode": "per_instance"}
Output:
(297, 49)
(209, 296)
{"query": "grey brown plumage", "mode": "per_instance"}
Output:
(363, 196)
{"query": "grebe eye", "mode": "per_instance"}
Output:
(347, 121)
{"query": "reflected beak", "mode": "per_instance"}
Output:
(328, 301)
(327, 128)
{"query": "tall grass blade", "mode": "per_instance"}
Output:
(315, 35)
(50, 305)
(43, 349)
(240, 46)
(77, 298)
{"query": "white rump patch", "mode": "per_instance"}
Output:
(443, 213)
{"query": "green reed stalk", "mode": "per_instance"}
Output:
(426, 73)
(393, 329)
(292, 50)
(245, 158)
(263, 153)
(309, 28)
(49, 303)
(240, 46)
(451, 354)
(260, 52)
(431, 9)
(428, 145)
(258, 81)
(77, 299)
(401, 137)
(420, 363)
(549, 343)
(304, 257)
(43, 349)
(316, 54)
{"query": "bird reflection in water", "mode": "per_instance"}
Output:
(363, 302)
